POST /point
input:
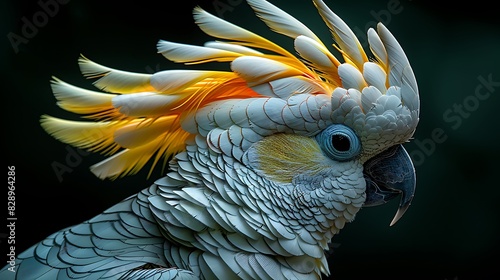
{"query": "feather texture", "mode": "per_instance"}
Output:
(176, 95)
(220, 28)
(349, 45)
(112, 80)
(257, 70)
(78, 100)
(252, 190)
(280, 21)
(194, 54)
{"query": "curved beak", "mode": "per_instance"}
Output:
(387, 175)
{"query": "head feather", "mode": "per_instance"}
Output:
(144, 117)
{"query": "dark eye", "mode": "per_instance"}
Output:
(339, 142)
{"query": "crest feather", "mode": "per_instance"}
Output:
(112, 80)
(349, 45)
(148, 117)
(281, 22)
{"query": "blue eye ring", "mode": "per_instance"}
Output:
(339, 142)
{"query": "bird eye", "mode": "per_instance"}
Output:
(339, 142)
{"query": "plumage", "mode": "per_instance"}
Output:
(112, 80)
(222, 29)
(80, 101)
(351, 77)
(258, 70)
(194, 54)
(281, 22)
(267, 160)
(350, 47)
(374, 75)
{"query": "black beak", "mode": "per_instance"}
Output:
(388, 175)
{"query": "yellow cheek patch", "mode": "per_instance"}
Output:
(282, 156)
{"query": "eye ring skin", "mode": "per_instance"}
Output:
(338, 132)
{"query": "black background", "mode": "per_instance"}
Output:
(450, 232)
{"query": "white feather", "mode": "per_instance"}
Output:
(219, 28)
(188, 223)
(239, 262)
(395, 55)
(291, 246)
(280, 21)
(214, 265)
(396, 91)
(255, 113)
(409, 90)
(309, 111)
(113, 80)
(221, 115)
(269, 266)
(375, 76)
(316, 53)
(185, 53)
(232, 48)
(236, 138)
(389, 102)
(342, 34)
(315, 104)
(213, 139)
(195, 195)
(401, 73)
(355, 95)
(338, 95)
(276, 247)
(286, 87)
(172, 81)
(144, 104)
(224, 144)
(242, 226)
(369, 97)
(78, 100)
(309, 249)
(264, 89)
(249, 137)
(238, 113)
(257, 70)
(279, 229)
(301, 264)
(351, 77)
(377, 47)
(273, 108)
(140, 133)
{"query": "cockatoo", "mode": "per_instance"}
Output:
(268, 160)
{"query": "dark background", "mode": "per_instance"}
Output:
(450, 232)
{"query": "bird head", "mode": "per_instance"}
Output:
(325, 129)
